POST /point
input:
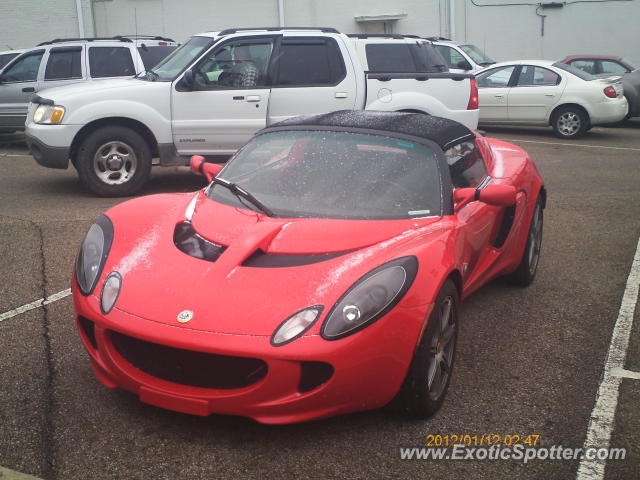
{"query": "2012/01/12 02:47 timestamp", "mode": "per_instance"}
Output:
(482, 440)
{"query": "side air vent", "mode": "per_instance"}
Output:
(505, 227)
(262, 259)
(189, 242)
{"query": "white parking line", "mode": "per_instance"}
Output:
(622, 373)
(603, 415)
(515, 140)
(38, 303)
(11, 155)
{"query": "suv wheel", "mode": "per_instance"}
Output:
(114, 161)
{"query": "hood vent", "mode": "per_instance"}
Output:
(262, 259)
(189, 242)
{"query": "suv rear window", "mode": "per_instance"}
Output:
(310, 61)
(151, 56)
(110, 62)
(404, 58)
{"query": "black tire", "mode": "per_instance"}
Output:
(421, 396)
(114, 161)
(570, 122)
(526, 271)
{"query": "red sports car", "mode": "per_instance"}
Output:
(320, 272)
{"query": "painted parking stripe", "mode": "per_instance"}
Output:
(603, 415)
(33, 305)
(516, 140)
(621, 372)
(7, 474)
(12, 155)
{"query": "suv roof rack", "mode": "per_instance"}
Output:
(229, 31)
(116, 38)
(85, 39)
(438, 39)
(146, 37)
(381, 35)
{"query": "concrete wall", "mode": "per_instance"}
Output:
(25, 23)
(504, 32)
(507, 33)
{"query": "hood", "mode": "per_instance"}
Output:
(100, 88)
(237, 294)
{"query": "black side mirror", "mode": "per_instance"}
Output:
(188, 79)
(464, 65)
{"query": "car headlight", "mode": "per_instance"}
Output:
(295, 326)
(370, 298)
(93, 253)
(48, 114)
(110, 292)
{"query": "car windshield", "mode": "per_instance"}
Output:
(168, 69)
(477, 55)
(327, 174)
(575, 71)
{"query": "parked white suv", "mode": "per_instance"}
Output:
(213, 93)
(64, 61)
(461, 57)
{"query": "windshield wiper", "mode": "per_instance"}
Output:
(242, 193)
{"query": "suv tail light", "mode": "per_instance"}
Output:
(473, 98)
(610, 92)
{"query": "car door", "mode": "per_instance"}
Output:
(226, 101)
(63, 66)
(493, 91)
(18, 82)
(477, 221)
(536, 91)
(310, 77)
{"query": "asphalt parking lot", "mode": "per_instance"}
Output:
(530, 361)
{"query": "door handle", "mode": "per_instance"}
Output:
(253, 98)
(341, 95)
(28, 89)
(499, 95)
(549, 94)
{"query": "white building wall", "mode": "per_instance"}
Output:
(25, 23)
(504, 32)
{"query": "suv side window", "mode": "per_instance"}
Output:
(25, 69)
(110, 62)
(466, 165)
(240, 64)
(64, 63)
(451, 56)
(308, 61)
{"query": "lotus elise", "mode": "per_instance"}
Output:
(320, 272)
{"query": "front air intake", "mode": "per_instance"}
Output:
(188, 367)
(188, 241)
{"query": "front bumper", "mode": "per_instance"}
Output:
(50, 145)
(47, 156)
(366, 369)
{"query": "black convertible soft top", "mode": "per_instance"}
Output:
(444, 132)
